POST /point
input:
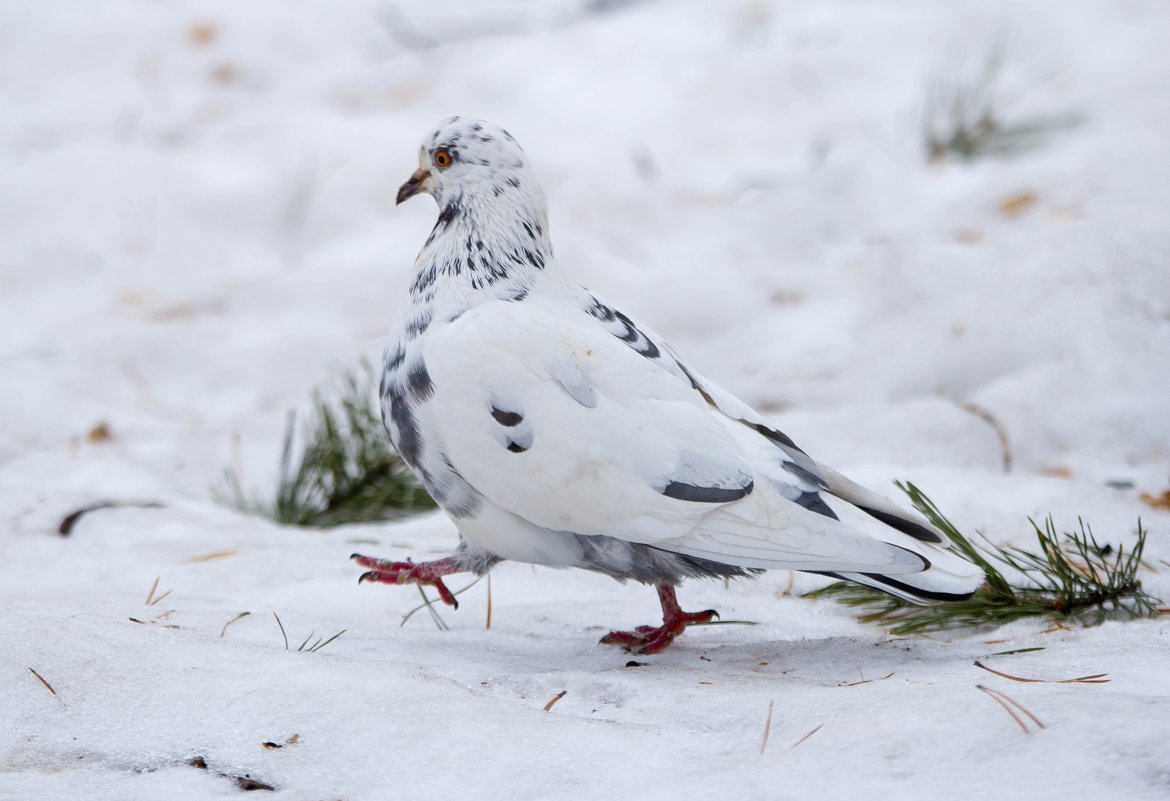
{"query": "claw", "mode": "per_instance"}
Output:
(444, 593)
(387, 572)
(646, 640)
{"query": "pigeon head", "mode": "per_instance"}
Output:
(471, 162)
(492, 233)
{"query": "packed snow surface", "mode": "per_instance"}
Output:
(198, 226)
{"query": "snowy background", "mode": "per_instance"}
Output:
(197, 227)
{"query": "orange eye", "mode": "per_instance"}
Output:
(442, 159)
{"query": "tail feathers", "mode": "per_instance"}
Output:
(948, 578)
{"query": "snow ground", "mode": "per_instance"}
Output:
(196, 212)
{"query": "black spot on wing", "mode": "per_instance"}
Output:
(624, 329)
(815, 503)
(638, 341)
(915, 530)
(807, 476)
(689, 492)
(774, 435)
(509, 419)
(516, 447)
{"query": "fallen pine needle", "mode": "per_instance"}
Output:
(1096, 678)
(150, 594)
(43, 681)
(805, 737)
(866, 681)
(488, 623)
(1017, 650)
(1003, 699)
(70, 520)
(210, 557)
(159, 598)
(767, 729)
(552, 701)
(223, 631)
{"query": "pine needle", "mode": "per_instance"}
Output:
(767, 729)
(43, 681)
(340, 469)
(1007, 702)
(1070, 578)
(1096, 678)
(150, 595)
(805, 737)
(488, 623)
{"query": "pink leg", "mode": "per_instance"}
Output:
(431, 573)
(652, 639)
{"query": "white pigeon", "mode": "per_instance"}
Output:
(554, 429)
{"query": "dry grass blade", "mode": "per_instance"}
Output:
(153, 587)
(767, 729)
(552, 701)
(428, 604)
(282, 631)
(1096, 678)
(805, 737)
(223, 631)
(1005, 447)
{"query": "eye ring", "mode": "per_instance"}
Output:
(442, 159)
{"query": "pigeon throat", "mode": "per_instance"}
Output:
(500, 243)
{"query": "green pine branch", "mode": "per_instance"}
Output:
(341, 469)
(1071, 577)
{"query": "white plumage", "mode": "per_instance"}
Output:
(557, 430)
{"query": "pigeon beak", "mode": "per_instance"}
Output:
(413, 186)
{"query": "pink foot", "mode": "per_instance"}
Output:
(430, 573)
(652, 639)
